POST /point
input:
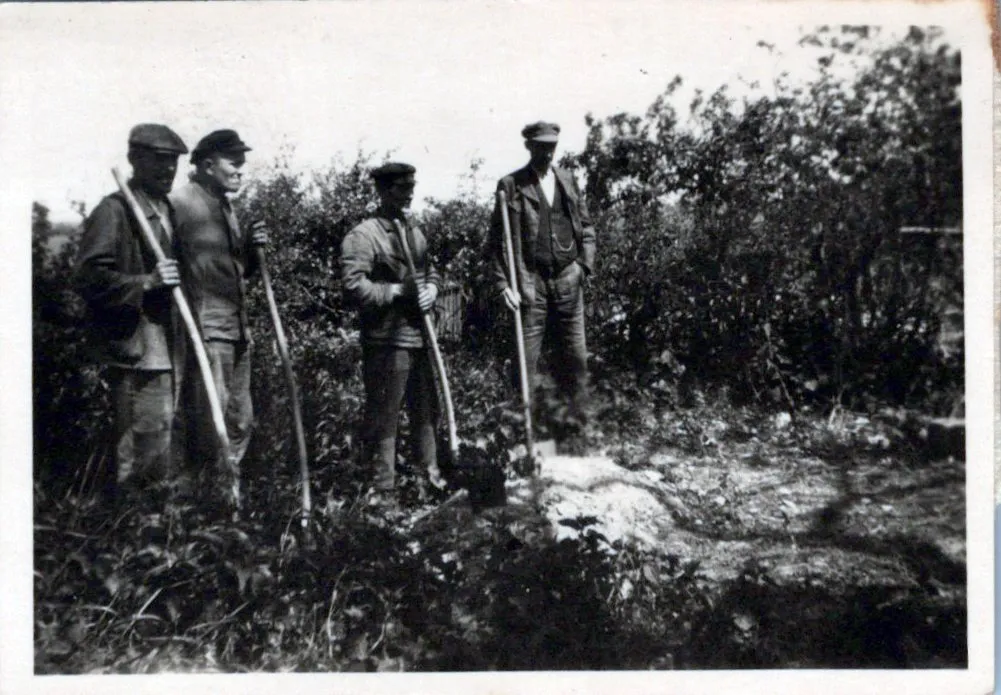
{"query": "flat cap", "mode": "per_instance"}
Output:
(392, 170)
(541, 132)
(154, 136)
(225, 141)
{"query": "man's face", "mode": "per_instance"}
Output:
(224, 169)
(541, 153)
(399, 194)
(153, 171)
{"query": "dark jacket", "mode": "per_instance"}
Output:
(372, 259)
(215, 258)
(130, 327)
(523, 213)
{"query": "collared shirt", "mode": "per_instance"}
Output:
(215, 257)
(519, 188)
(547, 183)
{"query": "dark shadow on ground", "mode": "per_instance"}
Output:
(760, 624)
(917, 621)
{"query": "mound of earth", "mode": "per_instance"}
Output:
(823, 522)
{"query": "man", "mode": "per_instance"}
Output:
(216, 257)
(554, 242)
(395, 359)
(134, 325)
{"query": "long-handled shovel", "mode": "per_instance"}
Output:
(300, 435)
(439, 363)
(519, 336)
(484, 483)
(192, 329)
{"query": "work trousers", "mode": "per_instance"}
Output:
(230, 363)
(143, 403)
(392, 374)
(559, 309)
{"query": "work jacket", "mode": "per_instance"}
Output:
(372, 260)
(520, 188)
(215, 258)
(130, 327)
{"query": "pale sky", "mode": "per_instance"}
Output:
(439, 83)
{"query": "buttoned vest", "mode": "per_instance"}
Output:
(556, 246)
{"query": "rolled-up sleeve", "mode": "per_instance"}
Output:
(357, 263)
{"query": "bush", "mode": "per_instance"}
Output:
(758, 245)
(69, 397)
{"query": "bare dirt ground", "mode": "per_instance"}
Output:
(824, 542)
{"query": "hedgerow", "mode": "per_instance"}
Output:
(750, 253)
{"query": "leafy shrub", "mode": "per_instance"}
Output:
(758, 244)
(143, 593)
(69, 397)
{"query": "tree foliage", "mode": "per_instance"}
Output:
(69, 395)
(758, 240)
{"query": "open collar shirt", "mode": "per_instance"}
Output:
(547, 183)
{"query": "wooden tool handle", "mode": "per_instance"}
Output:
(186, 315)
(439, 362)
(519, 335)
(300, 434)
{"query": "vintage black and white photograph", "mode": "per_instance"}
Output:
(501, 345)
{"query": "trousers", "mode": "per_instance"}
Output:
(391, 375)
(143, 402)
(230, 363)
(559, 310)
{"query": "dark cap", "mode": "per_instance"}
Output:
(390, 171)
(541, 132)
(224, 141)
(154, 136)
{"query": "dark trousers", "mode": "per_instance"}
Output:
(144, 420)
(392, 374)
(559, 307)
(230, 363)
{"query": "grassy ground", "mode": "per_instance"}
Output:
(697, 537)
